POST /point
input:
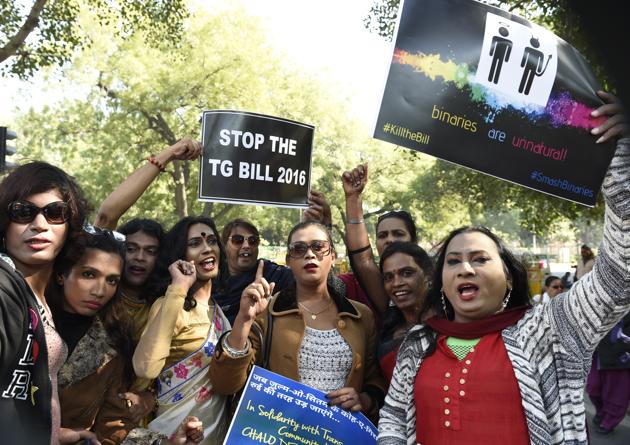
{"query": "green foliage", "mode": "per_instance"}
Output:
(142, 99)
(49, 32)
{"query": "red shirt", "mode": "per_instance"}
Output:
(472, 401)
(388, 363)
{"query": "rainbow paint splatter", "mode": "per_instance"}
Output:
(561, 110)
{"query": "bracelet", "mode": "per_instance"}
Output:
(355, 221)
(235, 353)
(355, 251)
(153, 160)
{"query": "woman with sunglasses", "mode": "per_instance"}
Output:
(552, 287)
(41, 209)
(489, 367)
(183, 328)
(241, 240)
(330, 341)
(92, 320)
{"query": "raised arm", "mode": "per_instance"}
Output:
(318, 209)
(128, 192)
(593, 305)
(357, 240)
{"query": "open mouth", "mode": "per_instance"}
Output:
(401, 293)
(467, 291)
(208, 264)
(137, 270)
(311, 267)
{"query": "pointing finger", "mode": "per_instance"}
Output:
(259, 272)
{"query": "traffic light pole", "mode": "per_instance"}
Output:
(6, 150)
(3, 147)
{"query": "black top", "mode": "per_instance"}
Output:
(25, 388)
(71, 327)
(228, 295)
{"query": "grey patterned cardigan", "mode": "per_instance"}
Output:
(550, 347)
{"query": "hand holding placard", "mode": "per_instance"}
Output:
(617, 124)
(276, 410)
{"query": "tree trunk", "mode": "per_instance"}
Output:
(181, 206)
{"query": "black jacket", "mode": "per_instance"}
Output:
(25, 387)
(614, 349)
(228, 294)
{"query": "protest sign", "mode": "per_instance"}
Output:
(483, 88)
(275, 410)
(251, 158)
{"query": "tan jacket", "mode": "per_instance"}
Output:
(89, 384)
(355, 324)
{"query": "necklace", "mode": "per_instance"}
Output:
(315, 314)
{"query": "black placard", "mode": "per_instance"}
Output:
(483, 88)
(251, 158)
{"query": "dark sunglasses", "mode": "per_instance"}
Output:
(320, 248)
(23, 212)
(93, 230)
(237, 240)
(557, 287)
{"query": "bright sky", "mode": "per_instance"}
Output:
(324, 36)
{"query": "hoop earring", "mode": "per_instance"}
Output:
(506, 300)
(444, 303)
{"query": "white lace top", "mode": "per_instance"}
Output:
(324, 360)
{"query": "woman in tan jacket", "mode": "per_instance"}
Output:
(318, 336)
(87, 311)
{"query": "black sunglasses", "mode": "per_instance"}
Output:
(93, 230)
(557, 287)
(320, 248)
(237, 240)
(23, 212)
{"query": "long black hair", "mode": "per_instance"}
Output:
(113, 315)
(173, 249)
(394, 317)
(514, 271)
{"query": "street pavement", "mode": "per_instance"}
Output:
(620, 436)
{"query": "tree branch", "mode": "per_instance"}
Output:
(388, 207)
(224, 210)
(15, 42)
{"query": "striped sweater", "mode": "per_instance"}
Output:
(551, 346)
